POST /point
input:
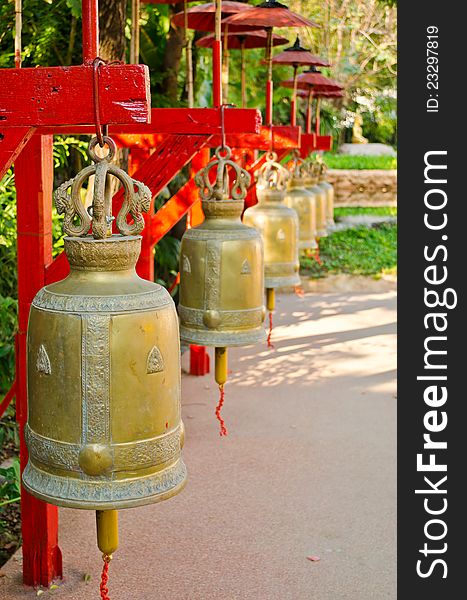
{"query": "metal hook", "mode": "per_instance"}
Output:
(96, 63)
(103, 131)
(223, 139)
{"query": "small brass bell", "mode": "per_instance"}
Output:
(104, 429)
(278, 226)
(303, 201)
(329, 189)
(311, 184)
(221, 267)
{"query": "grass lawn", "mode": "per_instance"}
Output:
(360, 250)
(381, 211)
(359, 161)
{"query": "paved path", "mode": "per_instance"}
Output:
(308, 468)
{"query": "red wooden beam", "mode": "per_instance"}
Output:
(172, 211)
(12, 141)
(282, 137)
(189, 121)
(50, 96)
(42, 560)
(308, 144)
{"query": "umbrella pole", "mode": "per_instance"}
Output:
(242, 54)
(225, 75)
(189, 58)
(308, 112)
(269, 84)
(293, 104)
(217, 58)
(134, 46)
(318, 108)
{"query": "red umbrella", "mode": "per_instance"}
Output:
(314, 79)
(297, 56)
(187, 41)
(244, 40)
(209, 17)
(316, 93)
(267, 15)
(315, 84)
(203, 16)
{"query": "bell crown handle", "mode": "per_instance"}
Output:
(297, 166)
(77, 220)
(272, 175)
(223, 187)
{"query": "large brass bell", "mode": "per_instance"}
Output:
(303, 201)
(104, 428)
(311, 184)
(278, 226)
(221, 267)
(329, 190)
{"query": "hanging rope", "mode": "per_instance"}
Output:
(105, 577)
(270, 344)
(223, 429)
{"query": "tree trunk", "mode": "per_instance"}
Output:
(112, 46)
(112, 20)
(172, 57)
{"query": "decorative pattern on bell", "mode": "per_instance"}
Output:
(311, 184)
(303, 202)
(329, 191)
(277, 224)
(221, 264)
(104, 428)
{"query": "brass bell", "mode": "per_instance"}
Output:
(221, 267)
(104, 428)
(303, 201)
(311, 184)
(278, 226)
(329, 190)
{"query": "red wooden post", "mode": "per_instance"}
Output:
(318, 116)
(293, 111)
(269, 93)
(308, 112)
(42, 559)
(90, 11)
(199, 358)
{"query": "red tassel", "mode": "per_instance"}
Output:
(270, 344)
(223, 429)
(299, 291)
(105, 578)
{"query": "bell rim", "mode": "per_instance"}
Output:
(178, 471)
(278, 282)
(223, 339)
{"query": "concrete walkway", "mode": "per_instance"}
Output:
(308, 469)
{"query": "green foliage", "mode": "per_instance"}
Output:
(167, 253)
(50, 34)
(356, 251)
(8, 320)
(381, 211)
(10, 484)
(8, 235)
(358, 161)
